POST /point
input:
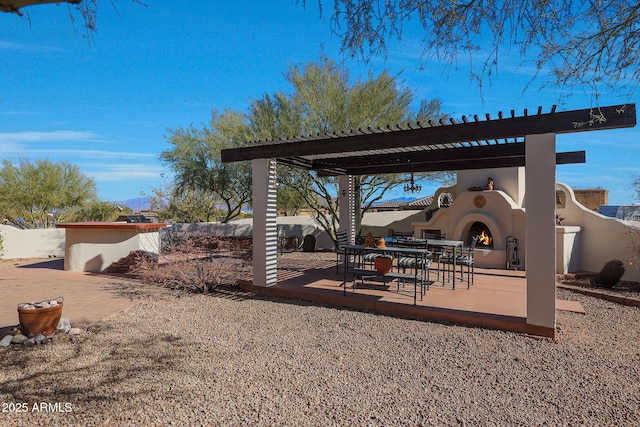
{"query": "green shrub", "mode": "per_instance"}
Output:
(610, 274)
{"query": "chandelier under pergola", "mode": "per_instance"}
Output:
(411, 186)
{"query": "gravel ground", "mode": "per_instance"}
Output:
(235, 360)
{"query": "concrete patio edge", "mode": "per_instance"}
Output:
(430, 314)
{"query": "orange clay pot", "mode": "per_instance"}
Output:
(383, 264)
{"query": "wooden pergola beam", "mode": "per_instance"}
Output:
(590, 119)
(563, 158)
(423, 156)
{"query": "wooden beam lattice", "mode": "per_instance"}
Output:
(356, 151)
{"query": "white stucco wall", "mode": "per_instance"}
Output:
(38, 243)
(95, 249)
(294, 226)
(601, 238)
(379, 223)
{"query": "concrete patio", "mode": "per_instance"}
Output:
(88, 298)
(497, 300)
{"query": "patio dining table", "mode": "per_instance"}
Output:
(357, 266)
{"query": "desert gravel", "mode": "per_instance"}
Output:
(236, 360)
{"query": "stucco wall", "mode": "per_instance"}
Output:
(379, 223)
(95, 249)
(601, 238)
(294, 226)
(39, 243)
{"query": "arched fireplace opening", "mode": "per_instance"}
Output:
(480, 229)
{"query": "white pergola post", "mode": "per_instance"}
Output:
(346, 209)
(540, 251)
(265, 232)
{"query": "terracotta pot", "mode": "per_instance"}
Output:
(39, 320)
(383, 264)
(380, 243)
(369, 241)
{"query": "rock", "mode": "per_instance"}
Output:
(64, 325)
(4, 342)
(30, 341)
(40, 338)
(63, 338)
(75, 331)
(19, 339)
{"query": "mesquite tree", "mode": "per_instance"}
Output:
(325, 100)
(576, 43)
(44, 192)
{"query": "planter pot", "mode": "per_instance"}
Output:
(369, 241)
(383, 264)
(39, 320)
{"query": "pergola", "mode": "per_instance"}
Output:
(527, 141)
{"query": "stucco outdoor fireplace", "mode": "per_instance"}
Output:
(492, 215)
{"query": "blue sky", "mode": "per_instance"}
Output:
(106, 106)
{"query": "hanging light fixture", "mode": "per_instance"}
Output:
(412, 187)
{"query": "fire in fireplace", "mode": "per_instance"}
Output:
(481, 230)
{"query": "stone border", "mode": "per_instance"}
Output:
(634, 302)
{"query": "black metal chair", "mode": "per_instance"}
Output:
(342, 239)
(412, 262)
(465, 258)
(436, 254)
(280, 239)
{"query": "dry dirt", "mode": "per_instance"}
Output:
(8, 263)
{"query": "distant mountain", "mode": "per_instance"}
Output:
(138, 204)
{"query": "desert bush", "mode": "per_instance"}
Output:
(195, 275)
(610, 274)
(194, 262)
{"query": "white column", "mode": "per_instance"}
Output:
(540, 250)
(346, 209)
(265, 233)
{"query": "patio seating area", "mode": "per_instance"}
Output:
(497, 299)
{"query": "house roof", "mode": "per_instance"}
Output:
(457, 145)
(416, 204)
